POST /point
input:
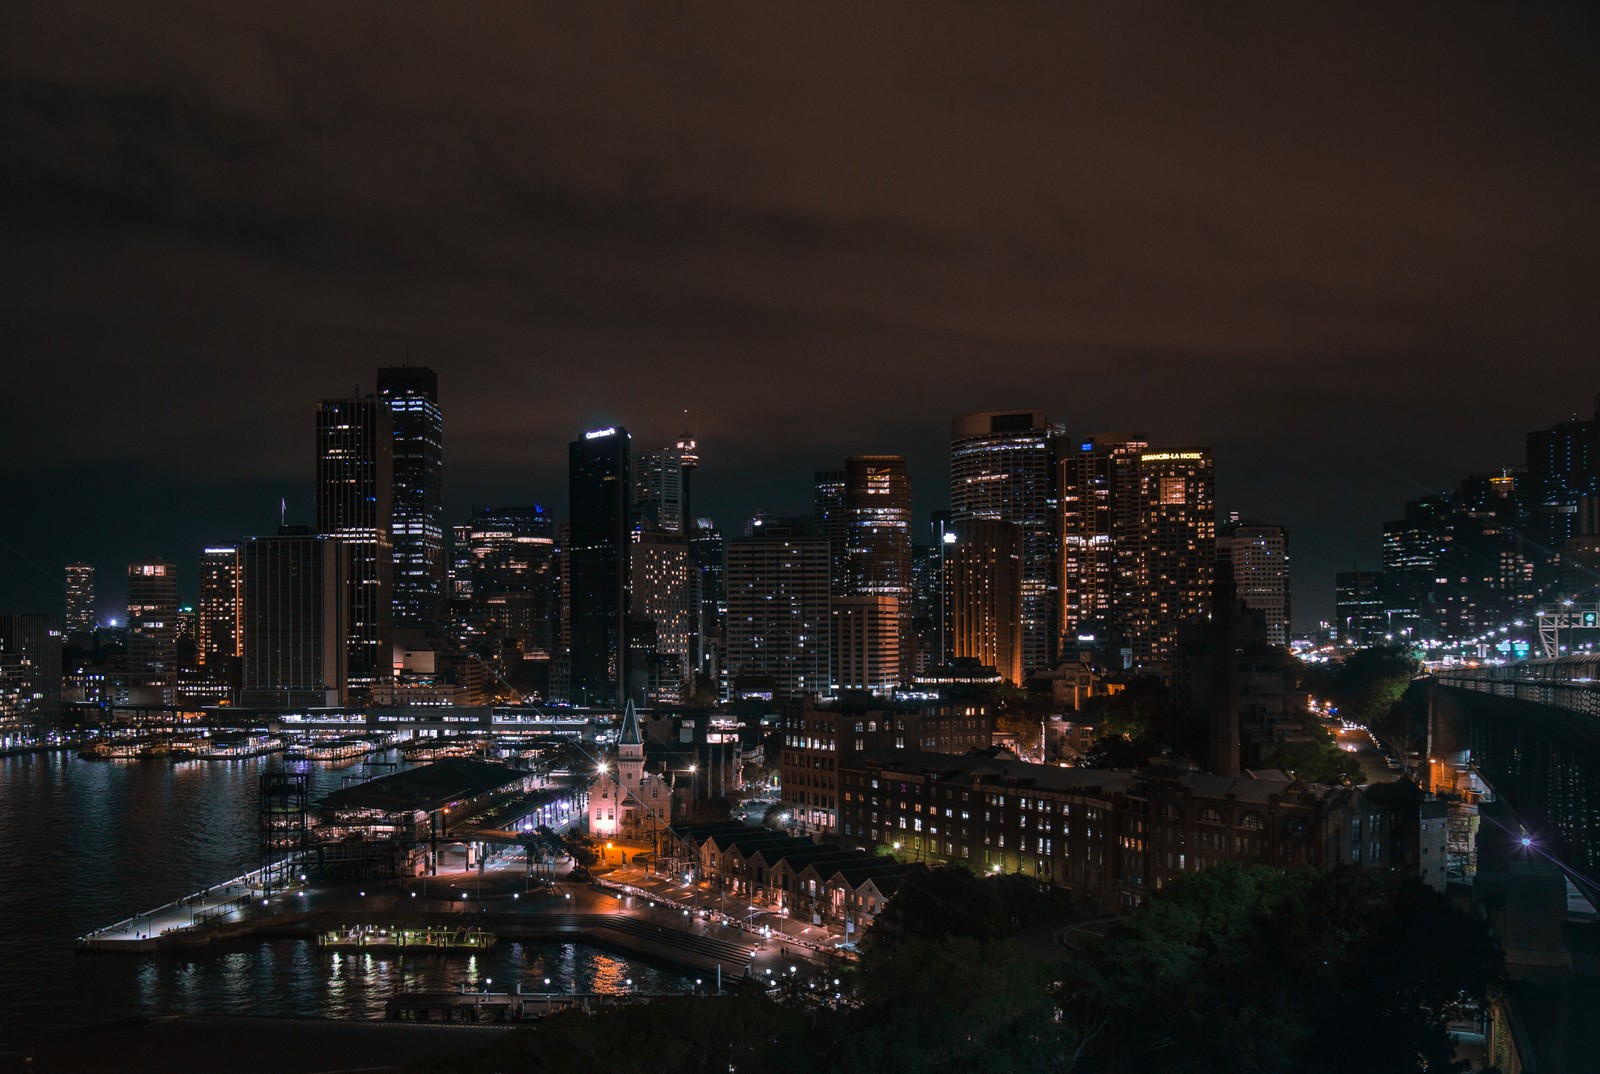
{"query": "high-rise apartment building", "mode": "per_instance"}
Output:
(355, 505)
(1176, 550)
(1002, 468)
(153, 623)
(80, 599)
(778, 588)
(1099, 495)
(865, 644)
(983, 578)
(294, 629)
(218, 625)
(1259, 553)
(416, 528)
(600, 488)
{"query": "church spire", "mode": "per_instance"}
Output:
(630, 727)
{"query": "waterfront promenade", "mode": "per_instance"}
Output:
(625, 909)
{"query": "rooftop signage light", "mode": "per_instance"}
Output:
(609, 430)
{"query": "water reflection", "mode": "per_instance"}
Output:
(98, 842)
(291, 977)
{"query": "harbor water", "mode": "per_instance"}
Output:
(86, 843)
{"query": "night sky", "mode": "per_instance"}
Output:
(1355, 252)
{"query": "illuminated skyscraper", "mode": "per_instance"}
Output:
(1099, 494)
(709, 556)
(514, 579)
(355, 486)
(778, 629)
(30, 674)
(1259, 554)
(460, 561)
(828, 522)
(1002, 468)
(600, 494)
(218, 621)
(80, 599)
(416, 530)
(983, 578)
(663, 587)
(1177, 547)
(661, 487)
(153, 623)
(865, 643)
(294, 629)
(877, 515)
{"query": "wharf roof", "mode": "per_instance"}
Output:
(702, 830)
(755, 840)
(799, 857)
(428, 788)
(856, 873)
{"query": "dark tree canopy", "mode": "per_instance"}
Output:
(1257, 970)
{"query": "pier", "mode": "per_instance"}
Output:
(501, 900)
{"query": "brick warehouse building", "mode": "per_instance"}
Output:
(1110, 836)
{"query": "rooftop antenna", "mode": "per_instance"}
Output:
(283, 512)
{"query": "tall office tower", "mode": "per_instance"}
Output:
(295, 630)
(709, 557)
(461, 561)
(1002, 468)
(865, 644)
(30, 673)
(153, 623)
(778, 587)
(218, 620)
(416, 528)
(514, 578)
(1176, 555)
(664, 594)
(600, 494)
(80, 599)
(1563, 467)
(877, 510)
(1259, 555)
(984, 571)
(1099, 494)
(1222, 745)
(355, 486)
(661, 490)
(932, 617)
(828, 521)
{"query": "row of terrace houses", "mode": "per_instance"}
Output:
(765, 871)
(1110, 836)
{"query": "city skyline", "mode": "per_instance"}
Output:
(1353, 290)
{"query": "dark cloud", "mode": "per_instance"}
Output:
(1352, 249)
